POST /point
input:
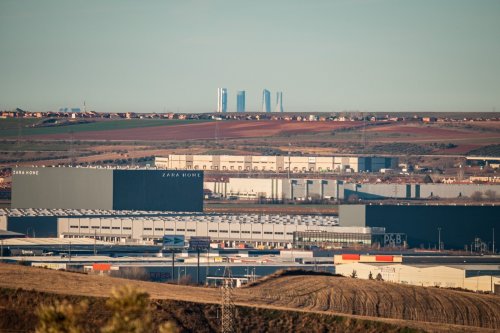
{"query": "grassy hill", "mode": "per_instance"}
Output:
(281, 303)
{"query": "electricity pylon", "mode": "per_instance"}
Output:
(228, 310)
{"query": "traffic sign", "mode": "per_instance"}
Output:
(199, 243)
(173, 241)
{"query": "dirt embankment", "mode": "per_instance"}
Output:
(17, 314)
(282, 303)
(378, 299)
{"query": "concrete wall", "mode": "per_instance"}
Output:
(442, 276)
(74, 188)
(353, 216)
(3, 222)
(456, 190)
(248, 188)
(330, 188)
(415, 191)
(374, 191)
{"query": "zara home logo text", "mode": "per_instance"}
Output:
(25, 172)
(181, 175)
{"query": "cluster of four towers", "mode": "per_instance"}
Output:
(240, 101)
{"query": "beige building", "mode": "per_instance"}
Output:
(276, 163)
(471, 277)
(256, 229)
(248, 188)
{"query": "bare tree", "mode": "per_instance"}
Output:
(477, 196)
(491, 195)
(130, 308)
(61, 317)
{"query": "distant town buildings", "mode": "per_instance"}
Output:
(221, 100)
(66, 109)
(240, 101)
(266, 101)
(279, 102)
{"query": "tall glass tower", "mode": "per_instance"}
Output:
(221, 100)
(279, 102)
(240, 101)
(266, 101)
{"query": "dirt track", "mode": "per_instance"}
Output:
(319, 294)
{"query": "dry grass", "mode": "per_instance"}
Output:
(378, 299)
(349, 299)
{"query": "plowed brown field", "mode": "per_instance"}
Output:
(422, 133)
(320, 294)
(208, 130)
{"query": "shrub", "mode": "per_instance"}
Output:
(477, 196)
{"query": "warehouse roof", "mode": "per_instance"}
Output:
(52, 241)
(327, 220)
(9, 234)
(22, 212)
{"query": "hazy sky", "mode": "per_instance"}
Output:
(155, 56)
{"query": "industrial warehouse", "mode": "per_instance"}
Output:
(414, 226)
(311, 189)
(143, 195)
(270, 231)
(470, 277)
(459, 227)
(107, 189)
(277, 163)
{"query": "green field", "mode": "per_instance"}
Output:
(15, 123)
(21, 127)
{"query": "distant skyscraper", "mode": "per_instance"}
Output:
(240, 101)
(279, 102)
(266, 101)
(221, 100)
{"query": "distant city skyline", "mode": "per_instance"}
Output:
(326, 55)
(222, 100)
(223, 94)
(240, 101)
(279, 102)
(266, 101)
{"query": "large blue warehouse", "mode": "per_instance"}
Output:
(457, 226)
(107, 189)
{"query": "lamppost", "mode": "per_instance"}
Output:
(493, 247)
(289, 147)
(439, 239)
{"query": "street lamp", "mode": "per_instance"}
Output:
(439, 238)
(289, 147)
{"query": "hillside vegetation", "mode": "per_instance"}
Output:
(378, 299)
(302, 303)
